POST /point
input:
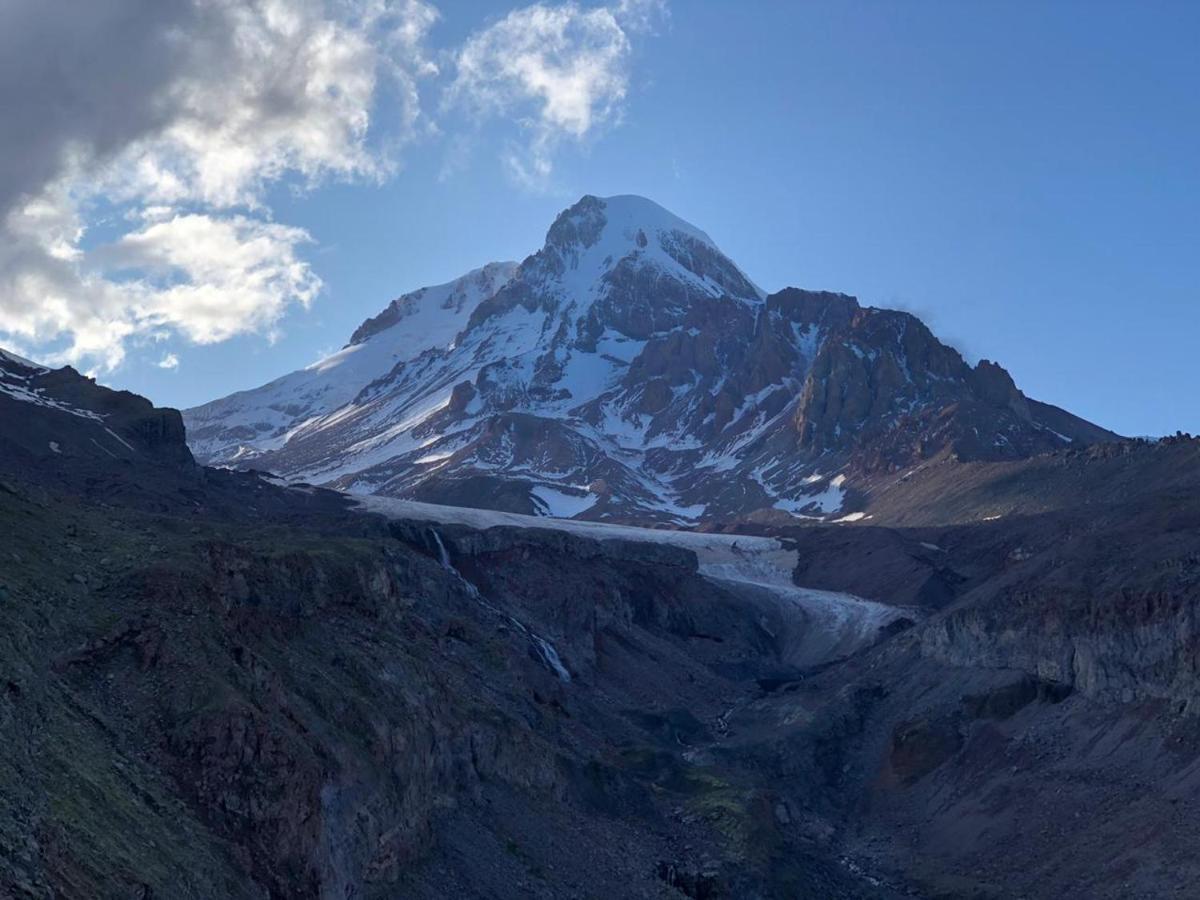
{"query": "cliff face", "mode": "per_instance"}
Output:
(1104, 605)
(1079, 568)
(336, 735)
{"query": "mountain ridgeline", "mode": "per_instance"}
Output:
(630, 371)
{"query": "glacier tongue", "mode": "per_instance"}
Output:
(829, 624)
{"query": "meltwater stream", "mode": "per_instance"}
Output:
(545, 650)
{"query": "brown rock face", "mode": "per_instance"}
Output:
(655, 396)
(463, 393)
(994, 385)
(887, 390)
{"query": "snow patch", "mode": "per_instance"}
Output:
(560, 504)
(825, 502)
(851, 517)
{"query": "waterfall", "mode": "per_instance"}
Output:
(443, 554)
(545, 650)
(550, 657)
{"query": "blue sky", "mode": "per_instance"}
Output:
(1023, 176)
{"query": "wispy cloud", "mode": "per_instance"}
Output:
(559, 72)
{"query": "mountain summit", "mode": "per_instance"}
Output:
(630, 370)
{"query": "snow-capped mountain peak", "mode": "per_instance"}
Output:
(604, 233)
(617, 219)
(611, 249)
(597, 235)
(628, 369)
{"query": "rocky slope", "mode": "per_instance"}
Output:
(629, 370)
(1034, 734)
(212, 684)
(945, 490)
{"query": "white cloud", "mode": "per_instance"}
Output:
(561, 71)
(641, 15)
(140, 138)
(169, 361)
(181, 114)
(211, 278)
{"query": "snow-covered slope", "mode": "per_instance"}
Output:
(628, 370)
(247, 424)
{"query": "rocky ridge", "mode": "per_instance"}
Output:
(103, 423)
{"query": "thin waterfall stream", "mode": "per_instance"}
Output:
(544, 649)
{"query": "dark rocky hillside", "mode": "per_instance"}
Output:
(215, 686)
(212, 684)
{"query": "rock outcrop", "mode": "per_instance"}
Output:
(65, 413)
